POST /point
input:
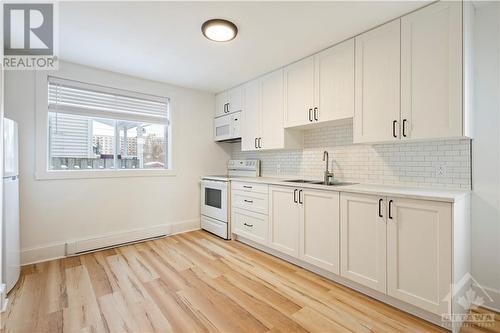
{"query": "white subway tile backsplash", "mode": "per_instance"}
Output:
(402, 163)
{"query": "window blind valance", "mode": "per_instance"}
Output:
(67, 96)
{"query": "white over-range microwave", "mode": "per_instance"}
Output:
(228, 127)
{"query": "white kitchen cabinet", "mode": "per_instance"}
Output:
(220, 104)
(249, 211)
(250, 225)
(419, 256)
(229, 101)
(319, 229)
(284, 219)
(377, 84)
(235, 99)
(250, 131)
(431, 72)
(363, 240)
(299, 92)
(263, 125)
(271, 120)
(334, 83)
(304, 223)
(320, 88)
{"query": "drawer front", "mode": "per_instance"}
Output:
(253, 226)
(255, 202)
(250, 187)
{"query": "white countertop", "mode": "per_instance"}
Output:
(434, 194)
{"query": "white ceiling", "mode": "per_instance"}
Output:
(162, 40)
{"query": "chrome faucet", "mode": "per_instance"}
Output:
(328, 175)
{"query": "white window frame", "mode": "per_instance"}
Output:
(108, 79)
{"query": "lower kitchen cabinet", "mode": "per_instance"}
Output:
(250, 225)
(363, 240)
(284, 219)
(305, 224)
(419, 255)
(319, 229)
(408, 239)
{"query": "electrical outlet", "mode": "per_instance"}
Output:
(441, 171)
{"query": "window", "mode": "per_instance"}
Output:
(99, 128)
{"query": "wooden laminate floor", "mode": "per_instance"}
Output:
(193, 282)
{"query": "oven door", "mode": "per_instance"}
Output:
(214, 199)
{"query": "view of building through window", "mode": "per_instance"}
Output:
(82, 142)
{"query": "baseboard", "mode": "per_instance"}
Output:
(57, 250)
(491, 300)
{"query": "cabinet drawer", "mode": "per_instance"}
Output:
(250, 187)
(255, 202)
(253, 226)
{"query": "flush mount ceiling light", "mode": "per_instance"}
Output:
(219, 30)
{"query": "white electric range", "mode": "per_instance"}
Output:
(216, 196)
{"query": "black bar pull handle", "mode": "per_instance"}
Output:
(380, 207)
(316, 113)
(256, 143)
(295, 195)
(394, 128)
(390, 209)
(260, 142)
(300, 197)
(310, 115)
(404, 127)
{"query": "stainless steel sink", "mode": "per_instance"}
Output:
(304, 181)
(340, 183)
(315, 182)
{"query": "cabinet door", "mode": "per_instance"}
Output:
(220, 101)
(431, 71)
(235, 99)
(334, 76)
(419, 253)
(299, 92)
(363, 240)
(320, 230)
(377, 84)
(250, 129)
(271, 120)
(283, 220)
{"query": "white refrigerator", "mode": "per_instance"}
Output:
(10, 220)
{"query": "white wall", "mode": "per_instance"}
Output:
(486, 153)
(56, 211)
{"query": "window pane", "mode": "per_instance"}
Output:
(142, 145)
(79, 142)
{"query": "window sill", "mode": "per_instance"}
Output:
(94, 174)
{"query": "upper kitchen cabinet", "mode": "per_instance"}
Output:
(320, 88)
(377, 87)
(229, 101)
(431, 72)
(250, 131)
(334, 83)
(263, 125)
(429, 50)
(299, 93)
